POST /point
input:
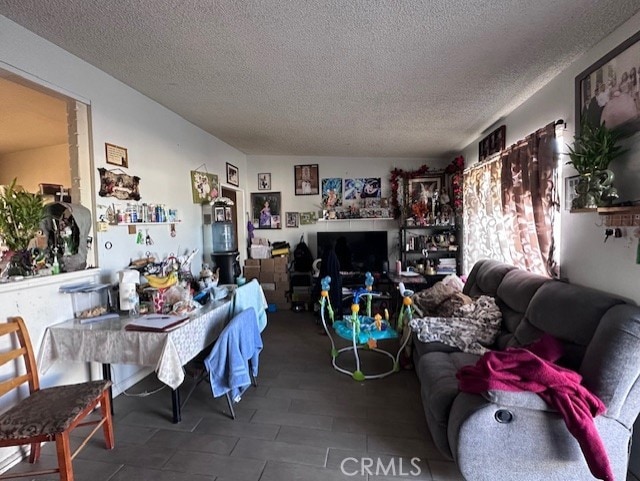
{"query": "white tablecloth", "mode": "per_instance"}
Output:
(107, 342)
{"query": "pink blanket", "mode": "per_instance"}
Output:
(533, 369)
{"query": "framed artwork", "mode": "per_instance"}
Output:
(116, 155)
(293, 219)
(608, 91)
(204, 187)
(331, 192)
(492, 143)
(115, 183)
(371, 187)
(218, 213)
(423, 189)
(570, 184)
(228, 214)
(307, 218)
(306, 180)
(353, 188)
(265, 210)
(232, 175)
(264, 181)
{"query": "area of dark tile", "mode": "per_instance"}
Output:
(280, 451)
(303, 421)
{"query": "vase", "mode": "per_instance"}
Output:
(595, 189)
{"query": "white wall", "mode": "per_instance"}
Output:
(162, 149)
(282, 180)
(584, 256)
(47, 165)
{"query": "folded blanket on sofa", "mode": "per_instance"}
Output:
(473, 326)
(532, 369)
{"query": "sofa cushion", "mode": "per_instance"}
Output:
(421, 348)
(438, 388)
(514, 295)
(485, 277)
(570, 313)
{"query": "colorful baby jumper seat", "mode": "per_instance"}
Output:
(363, 331)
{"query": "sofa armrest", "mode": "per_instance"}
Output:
(507, 399)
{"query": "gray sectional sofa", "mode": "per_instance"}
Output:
(514, 436)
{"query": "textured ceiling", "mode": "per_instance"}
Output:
(405, 78)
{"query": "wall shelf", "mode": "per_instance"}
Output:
(355, 219)
(621, 216)
(619, 209)
(145, 223)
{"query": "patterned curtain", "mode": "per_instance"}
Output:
(508, 206)
(485, 234)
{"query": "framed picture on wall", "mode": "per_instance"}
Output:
(232, 175)
(423, 189)
(293, 219)
(265, 210)
(607, 91)
(116, 155)
(264, 181)
(306, 180)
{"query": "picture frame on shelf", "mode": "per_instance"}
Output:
(218, 214)
(306, 179)
(266, 209)
(293, 219)
(233, 176)
(570, 184)
(604, 91)
(264, 181)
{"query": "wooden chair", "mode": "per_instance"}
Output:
(48, 414)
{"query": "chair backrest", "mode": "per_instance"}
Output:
(16, 325)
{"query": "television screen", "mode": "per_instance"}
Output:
(356, 251)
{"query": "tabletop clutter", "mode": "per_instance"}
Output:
(145, 286)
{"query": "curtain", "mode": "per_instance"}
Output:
(509, 205)
(485, 234)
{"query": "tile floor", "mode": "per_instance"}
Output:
(303, 421)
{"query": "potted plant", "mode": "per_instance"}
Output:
(593, 150)
(19, 223)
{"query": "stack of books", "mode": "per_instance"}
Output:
(447, 266)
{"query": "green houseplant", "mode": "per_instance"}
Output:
(594, 148)
(22, 213)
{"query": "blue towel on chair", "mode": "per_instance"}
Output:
(251, 295)
(228, 362)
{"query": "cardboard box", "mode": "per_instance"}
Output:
(281, 264)
(279, 277)
(283, 286)
(251, 272)
(252, 262)
(267, 265)
(276, 296)
(266, 277)
(268, 286)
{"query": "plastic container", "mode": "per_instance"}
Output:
(88, 300)
(223, 237)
